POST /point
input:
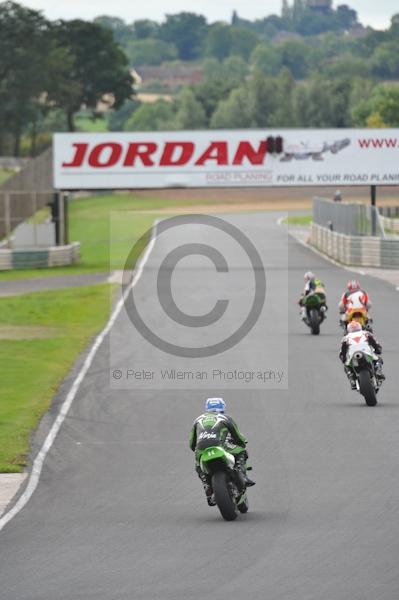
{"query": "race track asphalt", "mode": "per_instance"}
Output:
(119, 513)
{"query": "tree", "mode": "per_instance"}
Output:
(152, 117)
(212, 68)
(346, 17)
(295, 55)
(385, 102)
(286, 11)
(190, 114)
(234, 112)
(235, 67)
(298, 11)
(219, 41)
(121, 32)
(117, 118)
(269, 26)
(150, 51)
(283, 115)
(264, 99)
(187, 31)
(267, 58)
(145, 28)
(347, 65)
(243, 41)
(385, 60)
(232, 68)
(211, 92)
(323, 103)
(375, 121)
(99, 68)
(26, 55)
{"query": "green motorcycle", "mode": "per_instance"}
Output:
(315, 305)
(228, 483)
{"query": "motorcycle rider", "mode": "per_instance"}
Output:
(216, 428)
(354, 297)
(356, 339)
(312, 286)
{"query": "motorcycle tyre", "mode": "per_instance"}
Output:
(314, 321)
(366, 388)
(224, 501)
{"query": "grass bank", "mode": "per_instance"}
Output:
(41, 335)
(298, 220)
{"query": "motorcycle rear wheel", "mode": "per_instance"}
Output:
(224, 501)
(366, 388)
(314, 321)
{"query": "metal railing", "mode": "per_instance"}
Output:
(348, 219)
(356, 250)
(17, 206)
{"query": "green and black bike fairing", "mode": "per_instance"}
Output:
(315, 300)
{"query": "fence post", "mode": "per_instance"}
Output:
(373, 204)
(61, 216)
(7, 216)
(65, 203)
(34, 210)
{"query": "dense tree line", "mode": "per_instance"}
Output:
(312, 39)
(53, 67)
(272, 101)
(313, 74)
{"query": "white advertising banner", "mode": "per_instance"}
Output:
(230, 158)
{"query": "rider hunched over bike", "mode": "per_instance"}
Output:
(354, 298)
(214, 428)
(312, 286)
(355, 339)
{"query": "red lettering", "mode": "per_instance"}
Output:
(378, 143)
(80, 153)
(216, 151)
(112, 155)
(246, 150)
(184, 151)
(141, 151)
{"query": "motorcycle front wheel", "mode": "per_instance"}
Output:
(366, 388)
(226, 504)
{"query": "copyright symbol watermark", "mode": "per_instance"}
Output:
(117, 374)
(166, 271)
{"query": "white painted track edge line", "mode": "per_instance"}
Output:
(38, 462)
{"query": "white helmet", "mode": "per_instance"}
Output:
(309, 276)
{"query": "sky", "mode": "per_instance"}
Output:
(370, 12)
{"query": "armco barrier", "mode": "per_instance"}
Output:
(390, 224)
(360, 251)
(39, 258)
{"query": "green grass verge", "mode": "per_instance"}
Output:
(298, 220)
(90, 220)
(41, 335)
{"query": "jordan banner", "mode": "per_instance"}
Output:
(226, 158)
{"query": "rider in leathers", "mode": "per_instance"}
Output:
(312, 286)
(356, 336)
(354, 298)
(213, 428)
